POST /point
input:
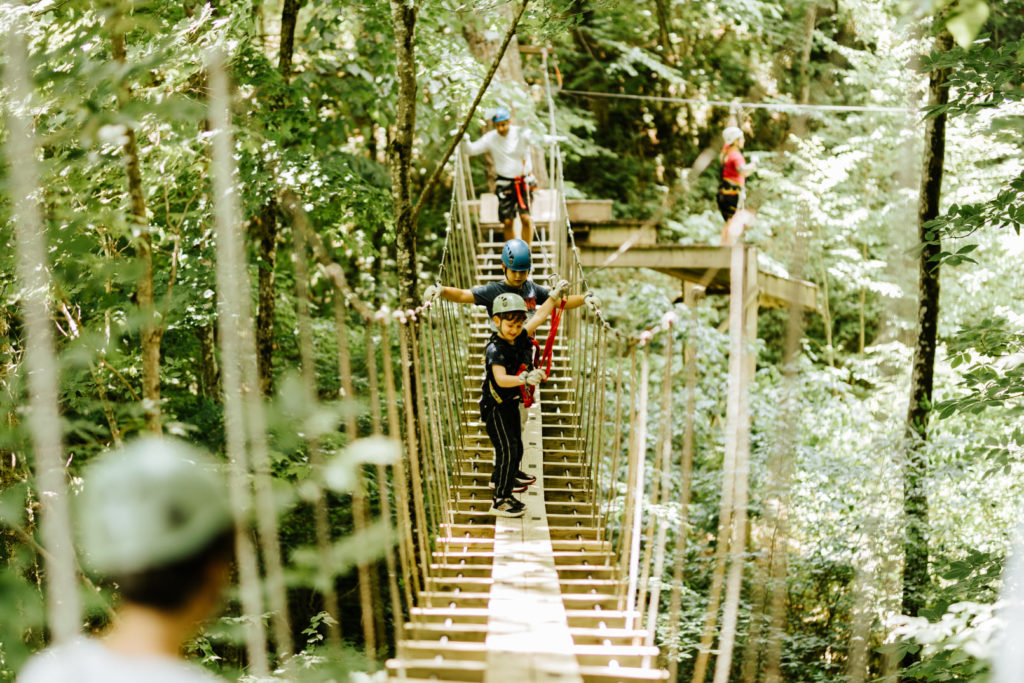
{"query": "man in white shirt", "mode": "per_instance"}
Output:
(510, 148)
(154, 521)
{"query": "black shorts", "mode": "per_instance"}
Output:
(728, 199)
(513, 198)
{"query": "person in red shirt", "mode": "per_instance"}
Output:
(735, 170)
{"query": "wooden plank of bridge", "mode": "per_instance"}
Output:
(528, 636)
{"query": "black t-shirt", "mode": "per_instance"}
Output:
(533, 294)
(510, 356)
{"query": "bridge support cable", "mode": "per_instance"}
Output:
(383, 485)
(406, 546)
(607, 494)
(651, 582)
(637, 484)
(626, 525)
(686, 475)
(322, 529)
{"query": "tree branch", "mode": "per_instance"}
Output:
(436, 175)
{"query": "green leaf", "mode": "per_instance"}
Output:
(966, 24)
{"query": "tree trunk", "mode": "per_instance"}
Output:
(403, 17)
(209, 374)
(152, 331)
(664, 31)
(264, 229)
(915, 466)
(266, 225)
(803, 75)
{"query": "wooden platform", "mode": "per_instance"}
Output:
(528, 637)
(705, 265)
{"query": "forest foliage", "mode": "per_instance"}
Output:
(835, 196)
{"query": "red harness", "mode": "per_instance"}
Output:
(541, 359)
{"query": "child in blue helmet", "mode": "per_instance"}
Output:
(516, 265)
(510, 149)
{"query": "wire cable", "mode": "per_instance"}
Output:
(782, 106)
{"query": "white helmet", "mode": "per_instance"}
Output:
(154, 502)
(508, 302)
(731, 134)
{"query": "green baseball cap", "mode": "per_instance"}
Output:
(149, 504)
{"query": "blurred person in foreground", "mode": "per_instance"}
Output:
(154, 521)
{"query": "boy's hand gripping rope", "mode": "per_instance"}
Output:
(542, 360)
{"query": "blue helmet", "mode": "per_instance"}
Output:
(501, 114)
(516, 255)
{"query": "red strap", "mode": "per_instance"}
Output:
(525, 390)
(544, 360)
(549, 345)
(520, 185)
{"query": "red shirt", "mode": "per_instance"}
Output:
(731, 167)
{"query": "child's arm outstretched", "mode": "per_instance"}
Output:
(459, 296)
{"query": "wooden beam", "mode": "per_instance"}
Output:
(658, 256)
(704, 265)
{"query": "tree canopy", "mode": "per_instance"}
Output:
(345, 109)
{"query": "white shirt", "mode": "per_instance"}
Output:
(86, 660)
(510, 152)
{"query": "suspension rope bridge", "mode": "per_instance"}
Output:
(569, 592)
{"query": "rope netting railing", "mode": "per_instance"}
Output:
(646, 486)
(399, 432)
(404, 432)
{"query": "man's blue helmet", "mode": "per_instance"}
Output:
(501, 114)
(516, 255)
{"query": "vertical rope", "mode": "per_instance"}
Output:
(627, 511)
(230, 303)
(406, 331)
(665, 448)
(321, 524)
(637, 484)
(435, 427)
(359, 512)
(41, 364)
(596, 437)
(459, 373)
(397, 613)
(659, 483)
(406, 548)
(428, 436)
(686, 470)
(613, 471)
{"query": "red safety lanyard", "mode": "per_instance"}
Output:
(544, 360)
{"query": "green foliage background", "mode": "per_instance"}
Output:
(836, 203)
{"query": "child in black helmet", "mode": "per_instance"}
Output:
(508, 349)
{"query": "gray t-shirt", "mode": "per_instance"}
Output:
(533, 294)
(86, 660)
